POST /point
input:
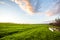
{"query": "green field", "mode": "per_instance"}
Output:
(10, 31)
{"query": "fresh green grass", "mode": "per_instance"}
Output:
(10, 31)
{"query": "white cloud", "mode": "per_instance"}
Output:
(55, 9)
(12, 0)
(26, 6)
(2, 2)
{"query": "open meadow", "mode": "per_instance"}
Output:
(10, 31)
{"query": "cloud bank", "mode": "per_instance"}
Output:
(26, 5)
(55, 9)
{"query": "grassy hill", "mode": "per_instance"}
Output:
(10, 31)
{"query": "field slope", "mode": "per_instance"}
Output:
(10, 31)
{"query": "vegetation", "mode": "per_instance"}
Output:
(10, 31)
(56, 23)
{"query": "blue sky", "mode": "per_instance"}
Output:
(10, 11)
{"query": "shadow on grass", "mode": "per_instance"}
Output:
(17, 31)
(6, 34)
(10, 33)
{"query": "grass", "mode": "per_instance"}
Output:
(10, 31)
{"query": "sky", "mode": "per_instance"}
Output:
(29, 11)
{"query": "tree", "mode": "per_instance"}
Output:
(56, 23)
